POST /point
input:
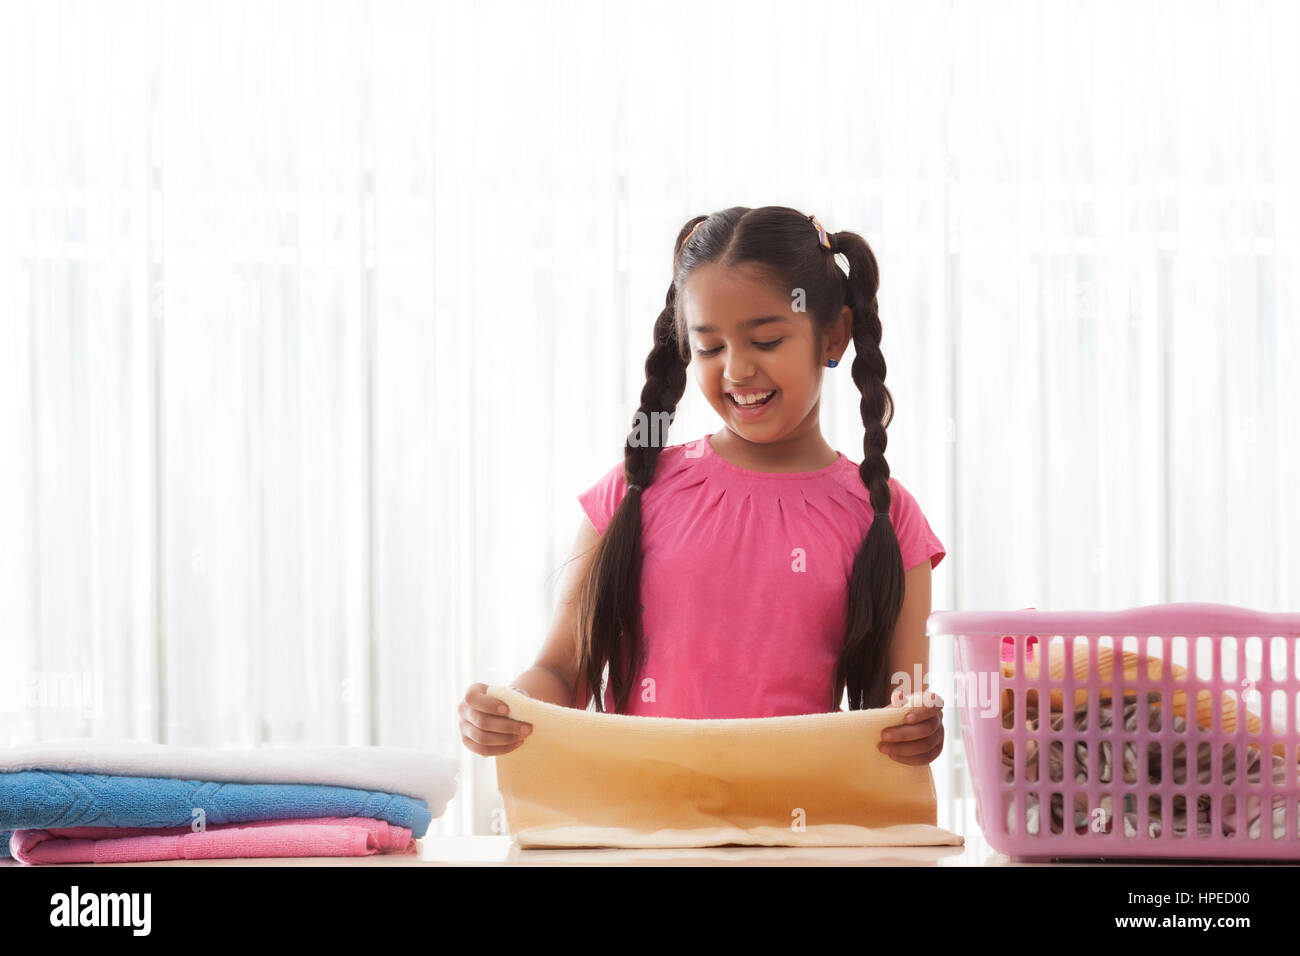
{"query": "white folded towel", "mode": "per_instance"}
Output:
(422, 774)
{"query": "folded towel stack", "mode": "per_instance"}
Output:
(102, 801)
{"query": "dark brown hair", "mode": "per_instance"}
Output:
(783, 246)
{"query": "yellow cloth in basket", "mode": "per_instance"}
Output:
(583, 778)
(1105, 665)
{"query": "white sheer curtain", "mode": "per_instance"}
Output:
(317, 316)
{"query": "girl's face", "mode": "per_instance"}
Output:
(748, 343)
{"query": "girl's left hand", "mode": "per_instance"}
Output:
(918, 740)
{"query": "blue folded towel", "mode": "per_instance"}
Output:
(37, 799)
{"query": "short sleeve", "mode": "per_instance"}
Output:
(601, 499)
(916, 539)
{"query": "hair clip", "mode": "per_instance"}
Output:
(821, 233)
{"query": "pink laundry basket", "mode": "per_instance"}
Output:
(1079, 785)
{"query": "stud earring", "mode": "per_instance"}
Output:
(832, 363)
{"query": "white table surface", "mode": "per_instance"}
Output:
(437, 850)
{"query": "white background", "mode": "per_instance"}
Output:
(316, 317)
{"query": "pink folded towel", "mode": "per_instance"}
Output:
(317, 836)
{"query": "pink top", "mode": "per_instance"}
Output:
(745, 579)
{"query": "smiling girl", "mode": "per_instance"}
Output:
(756, 571)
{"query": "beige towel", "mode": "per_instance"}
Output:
(587, 779)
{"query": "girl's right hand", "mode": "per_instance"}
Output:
(485, 725)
